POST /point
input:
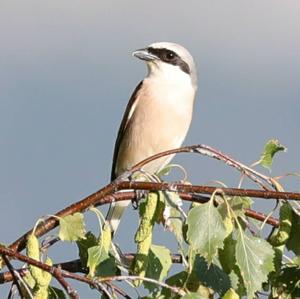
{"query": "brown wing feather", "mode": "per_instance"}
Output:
(122, 129)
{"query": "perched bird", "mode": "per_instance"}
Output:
(158, 115)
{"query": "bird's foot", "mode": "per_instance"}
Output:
(139, 194)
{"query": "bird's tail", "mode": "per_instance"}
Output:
(115, 213)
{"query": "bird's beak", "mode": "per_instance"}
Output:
(143, 54)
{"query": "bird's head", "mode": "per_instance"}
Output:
(169, 59)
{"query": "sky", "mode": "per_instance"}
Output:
(66, 74)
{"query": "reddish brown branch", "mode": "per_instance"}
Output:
(262, 217)
(123, 185)
(52, 222)
(13, 275)
(106, 195)
(57, 273)
(59, 277)
(216, 154)
(76, 266)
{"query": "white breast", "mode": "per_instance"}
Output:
(159, 120)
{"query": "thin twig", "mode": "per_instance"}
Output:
(53, 270)
(76, 266)
(58, 273)
(12, 271)
(213, 153)
(175, 290)
(105, 196)
(118, 290)
(100, 197)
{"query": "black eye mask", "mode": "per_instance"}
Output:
(170, 57)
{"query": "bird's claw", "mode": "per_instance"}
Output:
(139, 194)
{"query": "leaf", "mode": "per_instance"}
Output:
(165, 171)
(238, 203)
(234, 280)
(231, 294)
(227, 254)
(55, 293)
(84, 244)
(293, 242)
(71, 227)
(96, 254)
(211, 276)
(107, 267)
(173, 222)
(287, 284)
(206, 230)
(282, 234)
(237, 282)
(254, 257)
(177, 280)
(100, 263)
(158, 265)
(271, 148)
(172, 216)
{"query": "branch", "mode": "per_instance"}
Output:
(53, 270)
(175, 290)
(105, 195)
(216, 154)
(76, 266)
(59, 273)
(13, 275)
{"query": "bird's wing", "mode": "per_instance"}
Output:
(126, 118)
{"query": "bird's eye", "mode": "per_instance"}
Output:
(169, 55)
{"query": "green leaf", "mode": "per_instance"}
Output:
(71, 227)
(172, 216)
(100, 263)
(96, 254)
(239, 203)
(211, 276)
(165, 171)
(287, 284)
(174, 223)
(158, 265)
(271, 148)
(231, 294)
(206, 230)
(55, 293)
(84, 244)
(234, 279)
(177, 280)
(254, 257)
(107, 267)
(237, 282)
(282, 234)
(227, 254)
(293, 242)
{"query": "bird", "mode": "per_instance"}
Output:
(158, 114)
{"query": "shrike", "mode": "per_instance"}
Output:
(157, 116)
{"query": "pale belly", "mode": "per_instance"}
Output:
(154, 127)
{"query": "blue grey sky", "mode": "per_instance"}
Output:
(66, 74)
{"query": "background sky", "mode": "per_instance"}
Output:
(66, 74)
